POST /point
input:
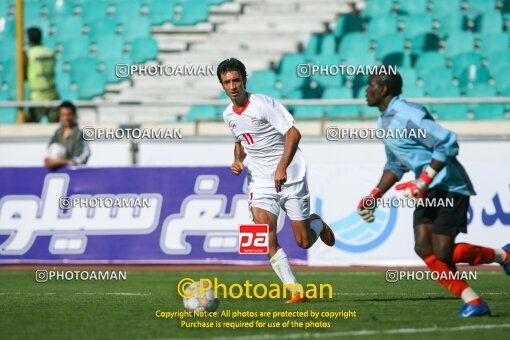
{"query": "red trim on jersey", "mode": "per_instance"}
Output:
(242, 109)
(248, 138)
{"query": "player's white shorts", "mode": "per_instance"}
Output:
(294, 199)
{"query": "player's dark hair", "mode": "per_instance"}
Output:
(34, 35)
(231, 64)
(67, 105)
(392, 80)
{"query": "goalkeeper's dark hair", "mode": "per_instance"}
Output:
(392, 80)
(231, 64)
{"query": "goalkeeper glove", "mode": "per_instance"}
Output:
(416, 189)
(368, 204)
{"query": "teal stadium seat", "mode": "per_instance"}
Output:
(389, 44)
(416, 24)
(362, 59)
(109, 68)
(497, 60)
(312, 47)
(295, 94)
(328, 44)
(449, 91)
(327, 80)
(60, 9)
(9, 77)
(348, 23)
(203, 112)
(32, 10)
(485, 111)
(109, 47)
(464, 60)
(382, 25)
(426, 42)
(452, 22)
(7, 30)
(192, 12)
(440, 7)
(101, 28)
(287, 73)
(452, 112)
(340, 111)
(143, 49)
(8, 115)
(128, 11)
(501, 75)
(354, 44)
(412, 7)
(269, 91)
(65, 89)
(459, 42)
(133, 30)
(493, 42)
(68, 28)
(7, 49)
(412, 91)
(399, 59)
(161, 11)
(310, 111)
(408, 75)
(473, 74)
(260, 80)
(73, 49)
(91, 86)
(437, 77)
(93, 10)
(481, 6)
(374, 8)
(4, 8)
(489, 23)
(82, 67)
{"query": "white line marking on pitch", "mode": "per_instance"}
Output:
(116, 293)
(368, 332)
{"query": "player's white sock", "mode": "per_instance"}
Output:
(469, 294)
(317, 226)
(281, 266)
(499, 255)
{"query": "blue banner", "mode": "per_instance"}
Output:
(187, 215)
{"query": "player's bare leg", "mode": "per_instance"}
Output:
(306, 232)
(277, 256)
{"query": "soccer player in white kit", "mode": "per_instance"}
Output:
(264, 130)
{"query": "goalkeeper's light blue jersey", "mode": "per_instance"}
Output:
(417, 138)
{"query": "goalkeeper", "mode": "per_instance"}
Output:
(439, 176)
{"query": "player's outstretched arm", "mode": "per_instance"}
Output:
(239, 156)
(292, 138)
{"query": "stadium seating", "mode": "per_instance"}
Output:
(96, 29)
(343, 111)
(439, 49)
(202, 112)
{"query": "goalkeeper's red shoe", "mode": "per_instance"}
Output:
(327, 236)
(298, 298)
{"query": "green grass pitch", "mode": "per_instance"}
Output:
(126, 309)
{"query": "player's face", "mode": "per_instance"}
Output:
(374, 92)
(66, 117)
(232, 84)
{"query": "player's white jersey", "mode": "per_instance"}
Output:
(261, 126)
